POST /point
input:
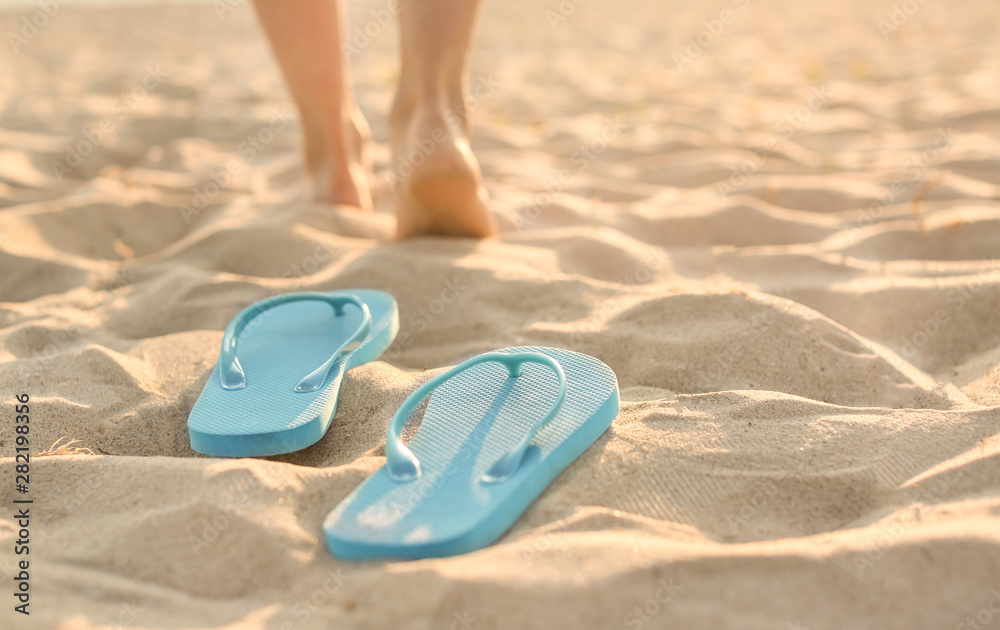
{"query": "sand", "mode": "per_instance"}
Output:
(777, 222)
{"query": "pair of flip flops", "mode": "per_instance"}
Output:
(496, 429)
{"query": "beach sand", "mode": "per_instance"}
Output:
(777, 222)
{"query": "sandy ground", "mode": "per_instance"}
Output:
(777, 223)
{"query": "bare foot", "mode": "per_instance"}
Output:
(437, 181)
(344, 179)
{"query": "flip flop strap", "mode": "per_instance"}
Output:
(230, 370)
(403, 464)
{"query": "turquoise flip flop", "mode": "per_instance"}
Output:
(496, 431)
(272, 398)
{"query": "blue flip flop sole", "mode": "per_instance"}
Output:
(471, 420)
(277, 348)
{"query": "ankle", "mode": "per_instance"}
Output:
(428, 104)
